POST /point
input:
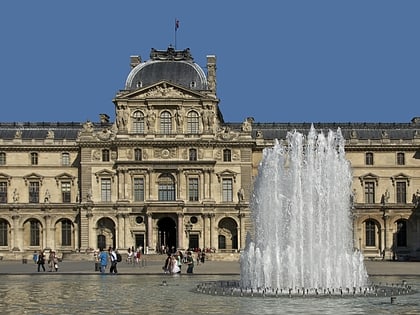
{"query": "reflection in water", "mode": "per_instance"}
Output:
(143, 294)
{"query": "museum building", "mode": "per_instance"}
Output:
(169, 172)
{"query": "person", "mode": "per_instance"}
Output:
(167, 266)
(113, 259)
(103, 260)
(190, 262)
(174, 265)
(130, 255)
(35, 257)
(41, 261)
(51, 261)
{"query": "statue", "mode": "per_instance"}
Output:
(47, 196)
(241, 195)
(15, 195)
(122, 117)
(416, 198)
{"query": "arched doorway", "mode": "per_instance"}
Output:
(228, 235)
(166, 233)
(105, 233)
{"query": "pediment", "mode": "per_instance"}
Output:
(5, 177)
(401, 177)
(162, 89)
(227, 173)
(33, 176)
(369, 177)
(65, 176)
(104, 173)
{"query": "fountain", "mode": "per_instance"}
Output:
(303, 241)
(301, 210)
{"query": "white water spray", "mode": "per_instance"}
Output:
(302, 217)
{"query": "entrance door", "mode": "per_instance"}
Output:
(101, 242)
(167, 233)
(140, 242)
(193, 242)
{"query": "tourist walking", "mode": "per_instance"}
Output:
(190, 262)
(103, 260)
(41, 261)
(113, 259)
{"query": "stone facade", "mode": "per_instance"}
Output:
(170, 172)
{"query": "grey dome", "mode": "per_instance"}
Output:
(170, 65)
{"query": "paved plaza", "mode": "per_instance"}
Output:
(374, 268)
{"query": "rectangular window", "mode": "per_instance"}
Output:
(3, 192)
(34, 158)
(400, 158)
(33, 192)
(401, 192)
(370, 192)
(369, 158)
(105, 189)
(193, 189)
(138, 189)
(66, 192)
(227, 190)
(2, 158)
(66, 233)
(34, 241)
(105, 155)
(227, 155)
(137, 154)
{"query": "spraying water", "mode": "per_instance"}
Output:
(302, 217)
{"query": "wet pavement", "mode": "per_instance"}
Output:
(154, 266)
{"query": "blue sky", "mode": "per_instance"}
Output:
(277, 61)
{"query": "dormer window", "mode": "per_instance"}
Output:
(193, 84)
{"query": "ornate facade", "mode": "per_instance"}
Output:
(170, 172)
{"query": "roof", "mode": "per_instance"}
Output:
(170, 65)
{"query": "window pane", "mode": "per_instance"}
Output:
(138, 122)
(65, 159)
(34, 158)
(66, 233)
(401, 192)
(400, 158)
(138, 189)
(165, 123)
(3, 192)
(192, 123)
(105, 155)
(106, 189)
(227, 191)
(2, 158)
(166, 188)
(137, 154)
(369, 192)
(369, 158)
(193, 189)
(193, 155)
(3, 233)
(66, 192)
(35, 231)
(370, 233)
(227, 156)
(34, 192)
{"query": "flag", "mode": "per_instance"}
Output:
(176, 24)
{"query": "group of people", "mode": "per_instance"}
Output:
(105, 257)
(39, 259)
(134, 256)
(174, 261)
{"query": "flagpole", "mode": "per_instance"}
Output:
(176, 28)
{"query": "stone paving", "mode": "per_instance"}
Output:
(374, 268)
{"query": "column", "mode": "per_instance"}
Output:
(212, 230)
(149, 227)
(16, 244)
(180, 230)
(240, 229)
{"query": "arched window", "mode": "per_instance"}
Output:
(401, 233)
(192, 122)
(35, 231)
(66, 232)
(65, 159)
(165, 123)
(4, 232)
(370, 229)
(138, 122)
(166, 184)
